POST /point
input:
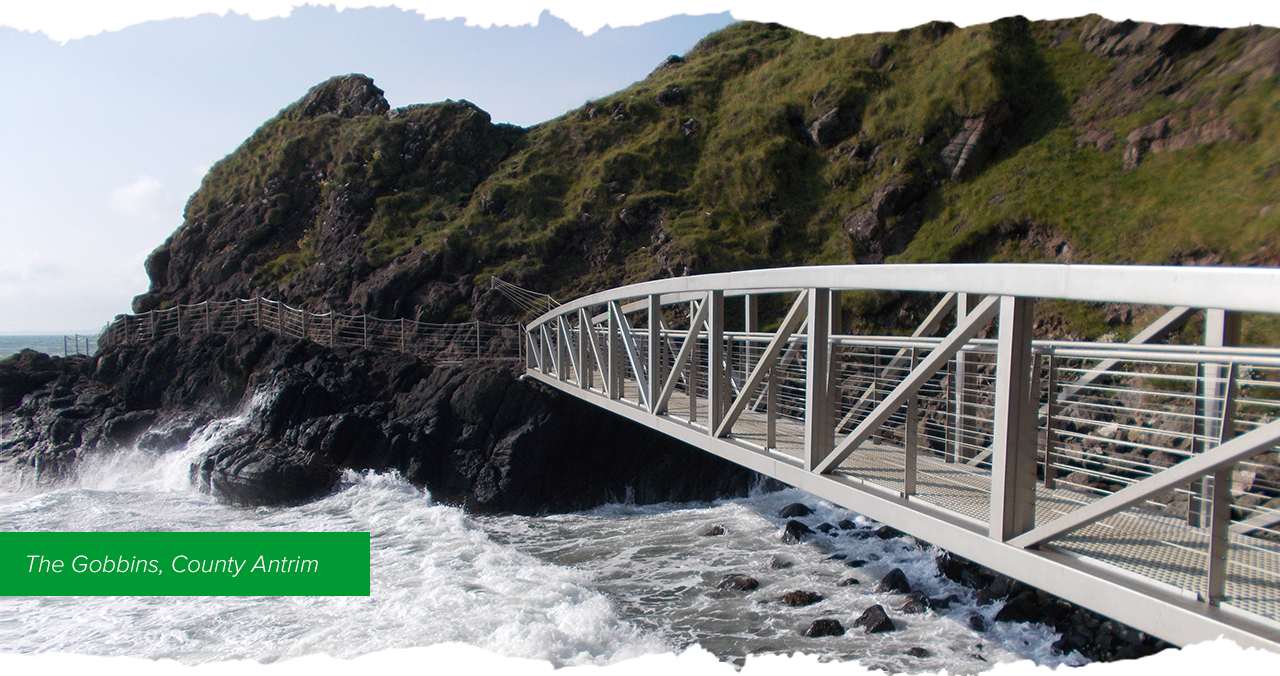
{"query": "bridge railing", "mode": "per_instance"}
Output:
(439, 342)
(1071, 446)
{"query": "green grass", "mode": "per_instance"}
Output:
(619, 191)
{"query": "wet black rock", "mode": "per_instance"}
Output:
(944, 602)
(824, 627)
(795, 509)
(915, 604)
(855, 563)
(845, 524)
(799, 597)
(736, 582)
(917, 651)
(24, 373)
(1024, 607)
(796, 532)
(887, 532)
(875, 621)
(825, 527)
(712, 531)
(472, 433)
(976, 622)
(780, 563)
(895, 582)
(848, 582)
(837, 557)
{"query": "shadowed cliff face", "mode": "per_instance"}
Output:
(1079, 140)
(290, 212)
(471, 433)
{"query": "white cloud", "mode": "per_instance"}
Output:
(144, 198)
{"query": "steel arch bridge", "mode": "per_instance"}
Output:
(1139, 479)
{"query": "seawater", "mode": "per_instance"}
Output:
(593, 587)
(51, 345)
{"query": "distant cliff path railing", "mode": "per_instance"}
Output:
(438, 342)
(1140, 479)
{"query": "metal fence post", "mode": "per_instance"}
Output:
(1013, 461)
(959, 376)
(1220, 514)
(1050, 437)
(818, 434)
(716, 375)
(909, 440)
(656, 379)
(771, 410)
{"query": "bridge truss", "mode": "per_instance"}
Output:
(1139, 479)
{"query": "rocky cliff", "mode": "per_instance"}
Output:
(1078, 140)
(473, 434)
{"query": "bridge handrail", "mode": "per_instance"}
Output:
(442, 342)
(1226, 288)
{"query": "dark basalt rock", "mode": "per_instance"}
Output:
(671, 96)
(825, 527)
(1024, 607)
(670, 62)
(736, 582)
(800, 597)
(845, 524)
(916, 603)
(855, 563)
(976, 622)
(344, 96)
(834, 126)
(24, 373)
(879, 56)
(712, 531)
(793, 510)
(472, 433)
(824, 627)
(875, 621)
(848, 582)
(888, 532)
(795, 532)
(917, 651)
(780, 563)
(895, 582)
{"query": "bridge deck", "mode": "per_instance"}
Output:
(1164, 509)
(1156, 546)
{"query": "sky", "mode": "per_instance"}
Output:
(113, 111)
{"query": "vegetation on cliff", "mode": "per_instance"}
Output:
(1079, 140)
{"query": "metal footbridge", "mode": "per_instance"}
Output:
(1139, 479)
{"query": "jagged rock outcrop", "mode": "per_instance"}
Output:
(471, 433)
(297, 225)
(834, 126)
(974, 144)
(346, 96)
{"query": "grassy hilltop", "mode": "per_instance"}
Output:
(1079, 140)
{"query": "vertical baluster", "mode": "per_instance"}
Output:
(694, 368)
(1050, 436)
(771, 410)
(909, 439)
(1220, 510)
